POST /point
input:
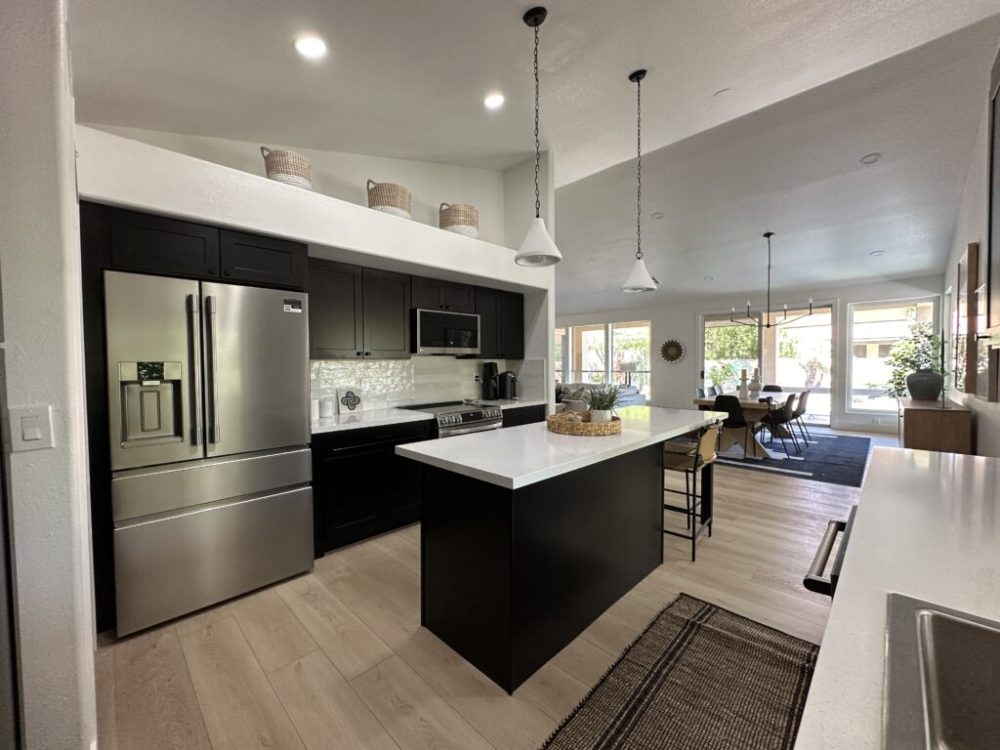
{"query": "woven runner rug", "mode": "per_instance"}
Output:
(698, 678)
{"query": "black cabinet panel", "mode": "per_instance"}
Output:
(361, 487)
(386, 314)
(434, 294)
(511, 325)
(487, 306)
(263, 260)
(155, 244)
(335, 310)
(501, 323)
(523, 415)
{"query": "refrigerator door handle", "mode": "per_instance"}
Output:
(215, 426)
(194, 336)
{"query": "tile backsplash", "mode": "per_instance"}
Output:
(390, 382)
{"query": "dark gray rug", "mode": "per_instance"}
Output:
(698, 678)
(837, 459)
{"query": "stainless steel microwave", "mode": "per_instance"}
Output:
(443, 332)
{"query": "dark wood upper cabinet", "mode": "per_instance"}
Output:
(511, 325)
(156, 244)
(501, 323)
(488, 307)
(336, 293)
(386, 314)
(435, 294)
(263, 260)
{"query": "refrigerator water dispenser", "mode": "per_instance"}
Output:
(151, 403)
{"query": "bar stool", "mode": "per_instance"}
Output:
(690, 458)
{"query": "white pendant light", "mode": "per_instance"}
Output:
(639, 279)
(537, 247)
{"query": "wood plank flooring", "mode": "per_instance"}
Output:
(336, 660)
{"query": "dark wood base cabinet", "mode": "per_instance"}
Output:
(509, 577)
(361, 487)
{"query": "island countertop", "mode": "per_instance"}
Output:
(519, 456)
(927, 526)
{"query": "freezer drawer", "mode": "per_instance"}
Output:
(172, 564)
(143, 492)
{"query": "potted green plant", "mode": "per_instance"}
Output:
(915, 364)
(602, 401)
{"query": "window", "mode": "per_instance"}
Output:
(729, 348)
(874, 329)
(630, 347)
(618, 353)
(560, 353)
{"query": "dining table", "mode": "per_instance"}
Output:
(754, 409)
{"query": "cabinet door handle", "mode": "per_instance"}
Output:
(368, 354)
(358, 353)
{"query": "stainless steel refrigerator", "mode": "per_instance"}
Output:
(209, 417)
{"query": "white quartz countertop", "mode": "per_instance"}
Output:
(378, 417)
(371, 418)
(519, 456)
(927, 526)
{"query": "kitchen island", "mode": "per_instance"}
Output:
(528, 536)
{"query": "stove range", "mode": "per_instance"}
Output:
(461, 417)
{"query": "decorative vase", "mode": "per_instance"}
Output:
(600, 415)
(755, 384)
(744, 393)
(924, 384)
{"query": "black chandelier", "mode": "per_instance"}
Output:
(763, 318)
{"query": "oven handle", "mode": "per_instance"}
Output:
(467, 430)
(814, 580)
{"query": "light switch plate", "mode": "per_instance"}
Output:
(30, 428)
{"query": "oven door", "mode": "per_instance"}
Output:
(440, 332)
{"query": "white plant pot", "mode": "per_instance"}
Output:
(600, 415)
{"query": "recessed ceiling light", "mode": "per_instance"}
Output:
(709, 278)
(877, 253)
(494, 100)
(310, 47)
(658, 214)
(869, 159)
(722, 92)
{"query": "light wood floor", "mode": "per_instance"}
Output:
(336, 659)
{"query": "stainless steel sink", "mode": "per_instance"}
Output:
(942, 678)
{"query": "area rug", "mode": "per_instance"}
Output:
(698, 678)
(837, 459)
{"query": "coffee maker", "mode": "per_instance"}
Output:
(507, 385)
(489, 381)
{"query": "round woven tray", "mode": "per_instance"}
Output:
(560, 424)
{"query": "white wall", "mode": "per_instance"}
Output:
(674, 384)
(343, 176)
(971, 226)
(39, 267)
(519, 197)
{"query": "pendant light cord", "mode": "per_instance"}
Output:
(538, 147)
(638, 169)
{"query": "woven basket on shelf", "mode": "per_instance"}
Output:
(389, 198)
(460, 218)
(565, 425)
(288, 167)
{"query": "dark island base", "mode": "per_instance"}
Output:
(510, 577)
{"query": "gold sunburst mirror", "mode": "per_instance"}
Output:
(672, 351)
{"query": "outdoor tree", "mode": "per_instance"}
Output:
(730, 342)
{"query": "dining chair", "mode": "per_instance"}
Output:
(777, 419)
(713, 390)
(701, 392)
(691, 462)
(772, 388)
(736, 419)
(800, 412)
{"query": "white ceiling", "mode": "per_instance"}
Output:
(406, 78)
(814, 86)
(792, 168)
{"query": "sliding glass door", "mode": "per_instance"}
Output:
(796, 355)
